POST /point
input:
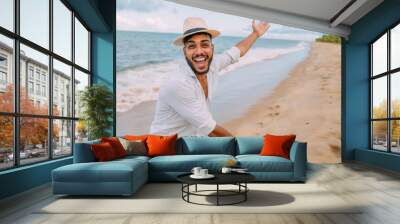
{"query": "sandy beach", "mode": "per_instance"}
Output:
(307, 104)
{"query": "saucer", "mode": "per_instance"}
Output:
(208, 176)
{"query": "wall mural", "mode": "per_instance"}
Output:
(168, 81)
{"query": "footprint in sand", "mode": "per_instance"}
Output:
(276, 114)
(260, 123)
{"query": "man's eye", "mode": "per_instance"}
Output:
(191, 46)
(205, 45)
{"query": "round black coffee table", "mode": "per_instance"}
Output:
(238, 179)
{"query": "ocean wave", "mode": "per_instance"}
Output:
(141, 84)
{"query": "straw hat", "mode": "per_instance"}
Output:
(194, 25)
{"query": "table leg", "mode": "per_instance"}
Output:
(245, 193)
(196, 187)
(217, 194)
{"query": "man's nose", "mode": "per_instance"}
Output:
(198, 50)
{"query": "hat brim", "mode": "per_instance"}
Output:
(179, 40)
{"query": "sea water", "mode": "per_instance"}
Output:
(145, 60)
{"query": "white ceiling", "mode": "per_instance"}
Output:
(313, 15)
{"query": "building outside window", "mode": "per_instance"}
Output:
(30, 72)
(34, 75)
(43, 90)
(385, 91)
(3, 71)
(30, 87)
(3, 78)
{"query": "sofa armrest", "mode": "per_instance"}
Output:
(298, 155)
(83, 152)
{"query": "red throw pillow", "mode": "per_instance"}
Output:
(161, 145)
(103, 151)
(116, 145)
(277, 145)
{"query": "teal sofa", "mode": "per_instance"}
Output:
(125, 176)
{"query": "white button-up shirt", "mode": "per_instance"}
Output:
(182, 107)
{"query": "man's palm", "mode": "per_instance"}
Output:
(260, 28)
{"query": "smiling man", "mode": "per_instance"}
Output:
(184, 100)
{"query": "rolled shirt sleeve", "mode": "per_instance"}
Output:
(185, 102)
(228, 57)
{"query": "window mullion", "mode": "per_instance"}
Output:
(389, 106)
(73, 82)
(50, 81)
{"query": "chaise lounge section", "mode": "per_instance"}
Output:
(125, 176)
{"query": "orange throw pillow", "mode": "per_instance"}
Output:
(116, 145)
(277, 145)
(161, 145)
(103, 151)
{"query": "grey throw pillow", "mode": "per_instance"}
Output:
(137, 148)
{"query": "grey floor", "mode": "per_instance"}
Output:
(377, 188)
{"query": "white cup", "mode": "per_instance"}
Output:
(196, 170)
(226, 170)
(203, 172)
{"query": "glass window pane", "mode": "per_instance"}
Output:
(62, 89)
(81, 81)
(33, 139)
(395, 138)
(6, 74)
(6, 142)
(379, 55)
(395, 47)
(35, 21)
(62, 29)
(379, 97)
(81, 45)
(34, 79)
(81, 131)
(379, 135)
(7, 14)
(395, 94)
(62, 138)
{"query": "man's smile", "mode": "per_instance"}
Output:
(200, 61)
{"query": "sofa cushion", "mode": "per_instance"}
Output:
(111, 171)
(185, 163)
(257, 163)
(249, 145)
(206, 145)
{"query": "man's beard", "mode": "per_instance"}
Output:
(194, 69)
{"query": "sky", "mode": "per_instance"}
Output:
(164, 16)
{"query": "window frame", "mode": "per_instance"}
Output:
(388, 74)
(15, 72)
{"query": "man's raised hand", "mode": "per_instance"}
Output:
(260, 28)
